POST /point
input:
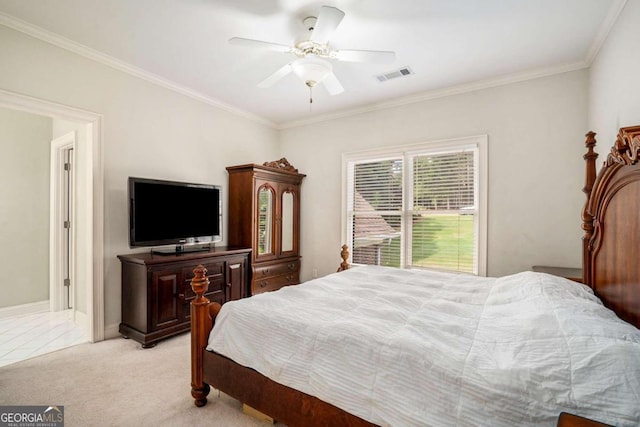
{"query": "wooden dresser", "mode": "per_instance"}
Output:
(264, 214)
(156, 289)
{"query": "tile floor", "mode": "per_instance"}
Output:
(31, 335)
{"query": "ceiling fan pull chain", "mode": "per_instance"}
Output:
(310, 97)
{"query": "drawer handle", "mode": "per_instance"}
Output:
(292, 266)
(289, 278)
(263, 284)
(265, 271)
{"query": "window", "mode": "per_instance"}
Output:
(420, 206)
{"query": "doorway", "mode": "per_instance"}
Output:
(87, 253)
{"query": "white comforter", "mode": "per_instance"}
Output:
(415, 348)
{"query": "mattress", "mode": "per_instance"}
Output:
(401, 347)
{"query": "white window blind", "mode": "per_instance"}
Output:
(418, 207)
(443, 211)
(375, 211)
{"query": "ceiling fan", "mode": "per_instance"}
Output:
(313, 64)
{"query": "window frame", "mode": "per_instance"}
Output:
(403, 151)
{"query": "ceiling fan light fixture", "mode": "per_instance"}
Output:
(311, 70)
(312, 66)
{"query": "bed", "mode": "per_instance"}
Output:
(517, 350)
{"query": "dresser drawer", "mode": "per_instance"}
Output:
(215, 274)
(270, 270)
(274, 282)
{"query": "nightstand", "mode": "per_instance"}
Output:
(574, 274)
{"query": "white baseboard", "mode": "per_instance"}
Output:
(21, 310)
(111, 331)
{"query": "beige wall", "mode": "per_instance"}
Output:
(148, 131)
(24, 207)
(615, 80)
(535, 131)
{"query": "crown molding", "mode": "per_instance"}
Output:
(440, 93)
(603, 32)
(80, 49)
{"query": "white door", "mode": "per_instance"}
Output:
(62, 226)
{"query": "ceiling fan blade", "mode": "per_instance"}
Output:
(332, 84)
(273, 78)
(239, 41)
(372, 56)
(327, 22)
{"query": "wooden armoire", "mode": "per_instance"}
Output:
(264, 214)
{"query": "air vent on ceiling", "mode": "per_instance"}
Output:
(402, 72)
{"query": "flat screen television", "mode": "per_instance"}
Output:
(184, 214)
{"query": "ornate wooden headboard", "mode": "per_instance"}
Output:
(611, 224)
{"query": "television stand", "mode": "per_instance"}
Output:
(156, 290)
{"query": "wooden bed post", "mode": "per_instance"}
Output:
(344, 254)
(201, 324)
(587, 218)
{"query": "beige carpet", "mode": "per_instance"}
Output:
(117, 383)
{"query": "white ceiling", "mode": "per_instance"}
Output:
(450, 45)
